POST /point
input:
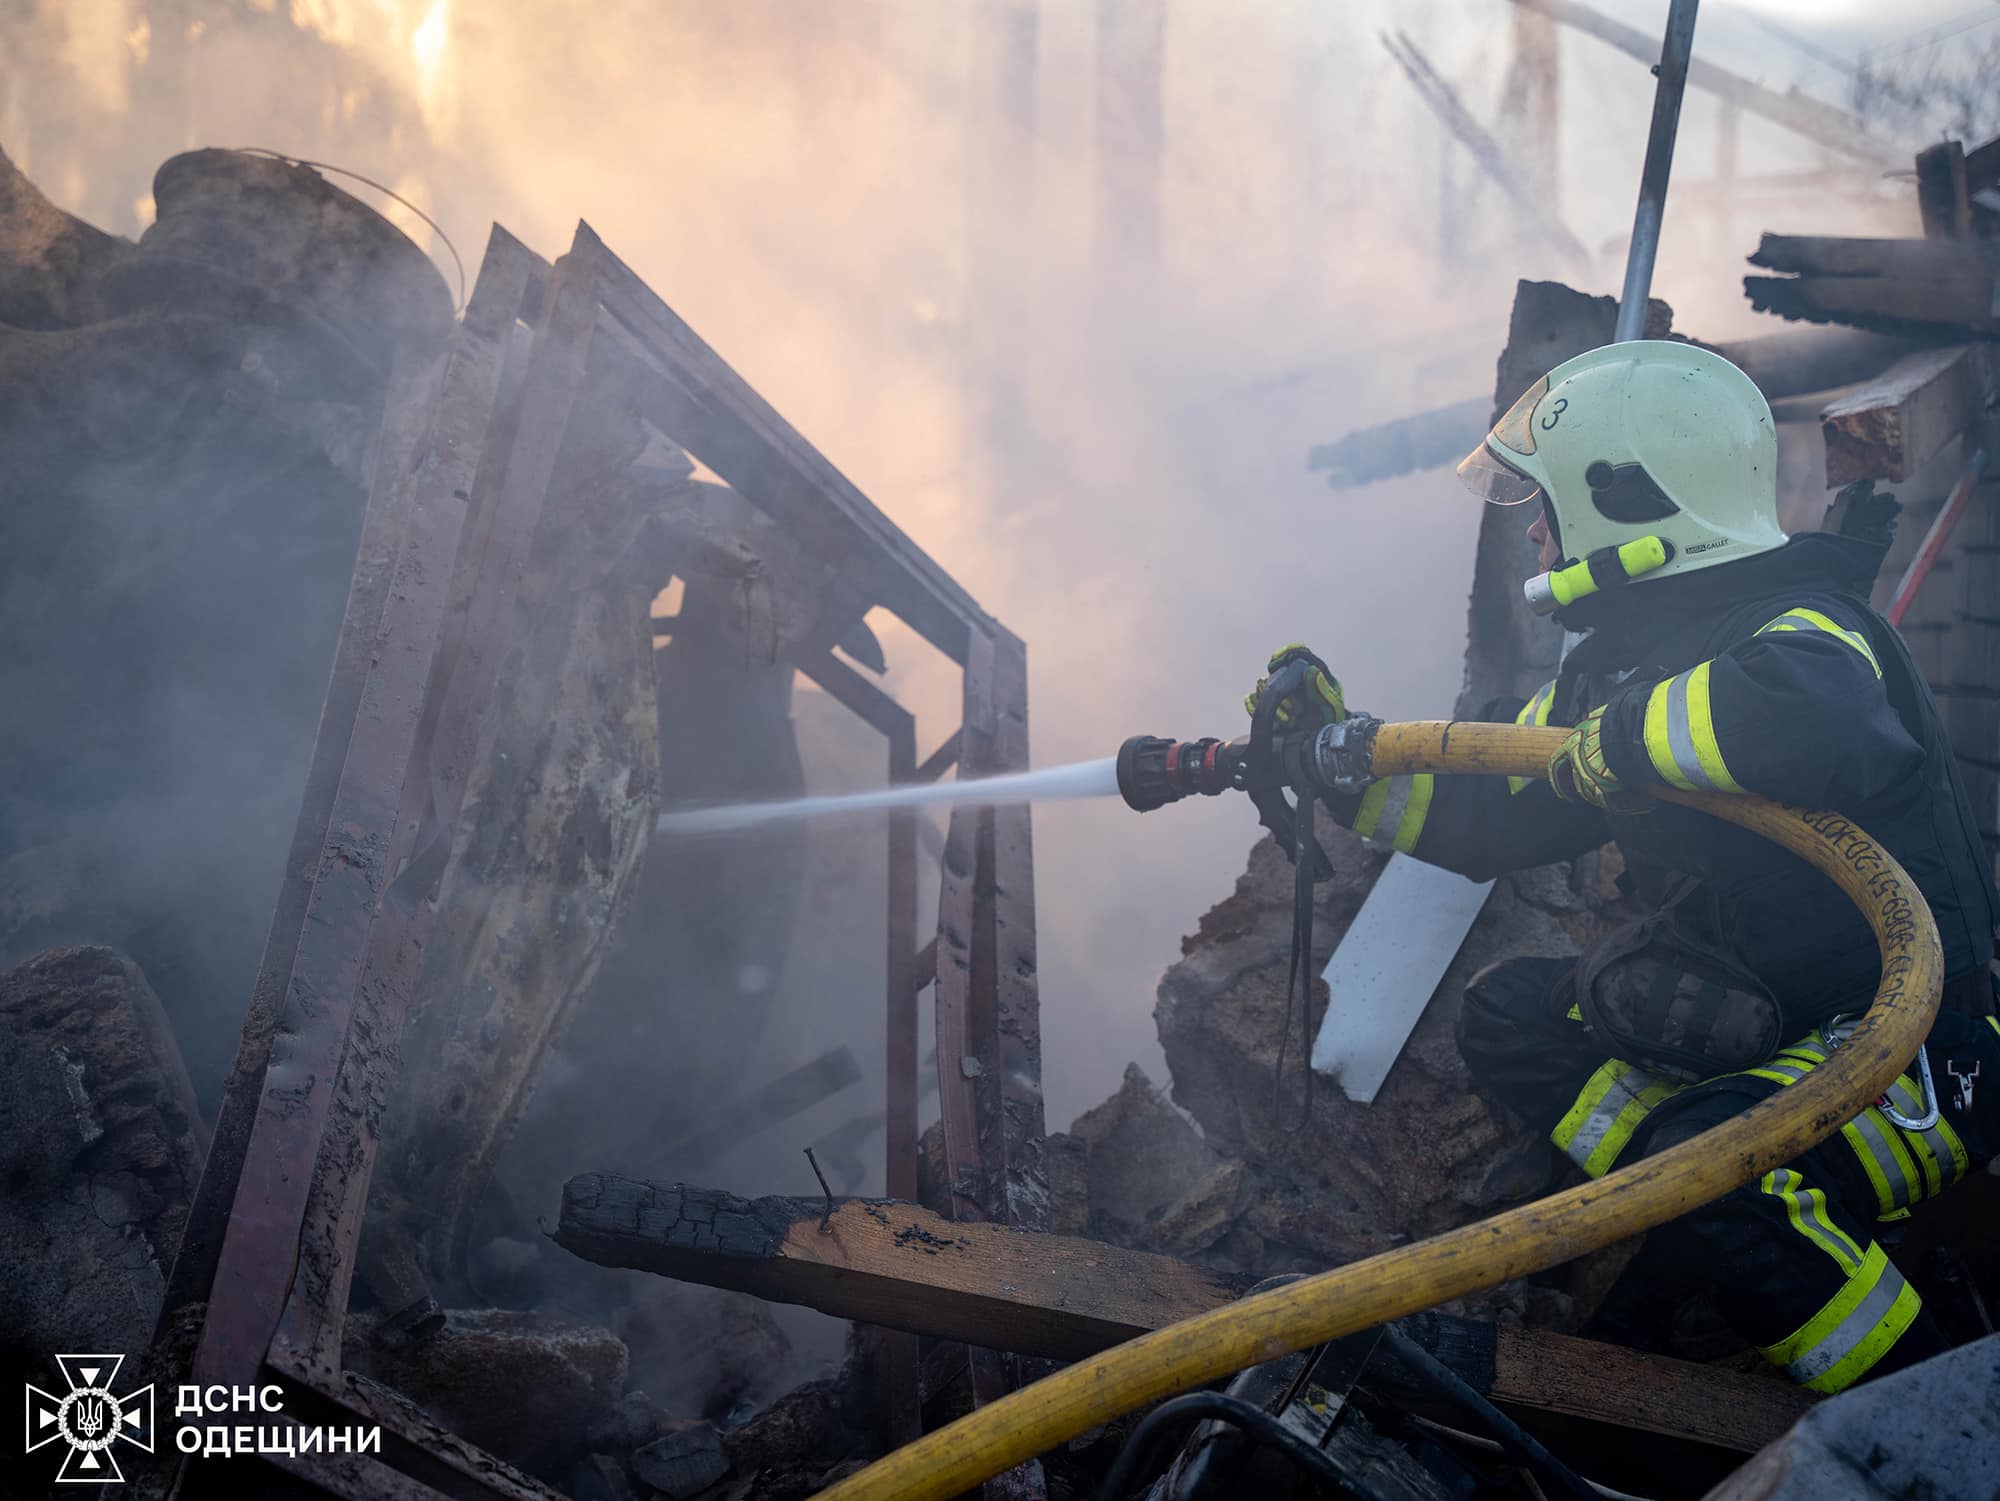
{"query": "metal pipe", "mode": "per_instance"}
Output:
(1672, 73)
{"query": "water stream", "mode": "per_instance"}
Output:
(1080, 779)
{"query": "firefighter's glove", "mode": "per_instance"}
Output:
(1318, 703)
(1580, 774)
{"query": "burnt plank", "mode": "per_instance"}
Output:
(506, 498)
(896, 1264)
(1960, 298)
(260, 1244)
(1889, 428)
(413, 384)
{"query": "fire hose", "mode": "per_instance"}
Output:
(1559, 1228)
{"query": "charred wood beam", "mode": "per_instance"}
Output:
(1893, 285)
(1493, 160)
(895, 1264)
(1797, 112)
(319, 992)
(1891, 427)
(1406, 446)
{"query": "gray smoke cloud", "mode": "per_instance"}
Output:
(1117, 473)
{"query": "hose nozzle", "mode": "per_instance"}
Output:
(1153, 772)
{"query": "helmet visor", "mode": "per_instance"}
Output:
(1494, 480)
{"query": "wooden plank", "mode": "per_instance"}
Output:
(413, 387)
(898, 1265)
(1891, 427)
(260, 1247)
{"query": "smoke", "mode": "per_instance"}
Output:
(900, 243)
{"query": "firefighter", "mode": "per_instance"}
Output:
(1716, 655)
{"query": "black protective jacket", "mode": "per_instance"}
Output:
(1769, 676)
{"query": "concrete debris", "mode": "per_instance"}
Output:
(529, 1387)
(100, 1147)
(685, 1460)
(1929, 1433)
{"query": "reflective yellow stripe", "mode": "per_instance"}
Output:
(1806, 1209)
(1937, 1149)
(1812, 620)
(1902, 1166)
(1608, 1110)
(1534, 711)
(1885, 1160)
(1857, 1327)
(1411, 826)
(1680, 735)
(1701, 724)
(1393, 810)
(1370, 812)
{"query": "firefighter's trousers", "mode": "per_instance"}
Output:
(1793, 1261)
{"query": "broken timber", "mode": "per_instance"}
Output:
(1891, 427)
(1892, 285)
(883, 1262)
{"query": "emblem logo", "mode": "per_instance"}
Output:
(89, 1418)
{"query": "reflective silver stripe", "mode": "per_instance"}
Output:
(1902, 1192)
(1839, 1341)
(1390, 817)
(1807, 1202)
(1680, 735)
(1802, 619)
(1624, 1092)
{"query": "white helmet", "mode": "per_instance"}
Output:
(1655, 458)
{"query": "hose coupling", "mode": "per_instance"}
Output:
(1340, 758)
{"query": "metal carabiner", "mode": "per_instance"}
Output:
(1930, 1100)
(1835, 1033)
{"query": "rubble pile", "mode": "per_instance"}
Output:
(100, 1146)
(1216, 1178)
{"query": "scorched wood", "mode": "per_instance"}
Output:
(880, 1261)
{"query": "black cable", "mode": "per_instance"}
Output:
(1516, 1440)
(1260, 1425)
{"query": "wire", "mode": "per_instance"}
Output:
(1492, 1446)
(1260, 1425)
(436, 228)
(1516, 1440)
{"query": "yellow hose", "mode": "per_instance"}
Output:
(1543, 1234)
